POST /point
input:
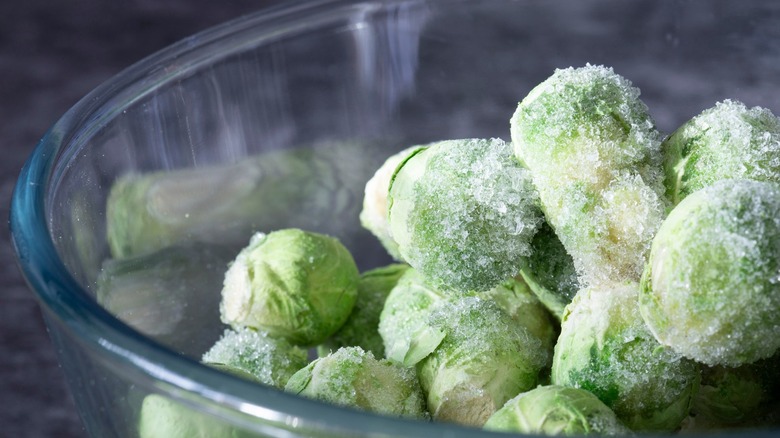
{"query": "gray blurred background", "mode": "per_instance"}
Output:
(51, 54)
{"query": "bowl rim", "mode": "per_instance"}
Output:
(166, 372)
(138, 357)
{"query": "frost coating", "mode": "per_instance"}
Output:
(727, 141)
(605, 348)
(711, 290)
(373, 216)
(556, 410)
(362, 327)
(463, 213)
(485, 359)
(594, 155)
(271, 361)
(354, 378)
(291, 283)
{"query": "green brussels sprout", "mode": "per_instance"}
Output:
(272, 361)
(727, 141)
(291, 283)
(373, 216)
(605, 348)
(354, 378)
(711, 289)
(403, 322)
(362, 327)
(463, 213)
(594, 155)
(556, 410)
(736, 397)
(484, 359)
(235, 371)
(162, 417)
(296, 188)
(550, 271)
(154, 293)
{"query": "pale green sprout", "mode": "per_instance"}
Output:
(373, 216)
(605, 348)
(463, 213)
(162, 417)
(727, 141)
(594, 155)
(556, 410)
(550, 271)
(270, 360)
(362, 327)
(154, 293)
(711, 289)
(353, 378)
(484, 359)
(293, 284)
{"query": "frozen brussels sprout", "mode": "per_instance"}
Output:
(373, 216)
(736, 397)
(297, 188)
(362, 327)
(403, 322)
(154, 293)
(594, 155)
(291, 283)
(272, 361)
(484, 359)
(556, 410)
(463, 213)
(711, 289)
(550, 271)
(605, 348)
(354, 378)
(727, 141)
(162, 417)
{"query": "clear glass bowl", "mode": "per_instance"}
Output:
(314, 95)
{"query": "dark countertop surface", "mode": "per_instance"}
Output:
(51, 54)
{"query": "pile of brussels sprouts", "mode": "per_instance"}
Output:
(590, 276)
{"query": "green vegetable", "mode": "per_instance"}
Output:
(162, 417)
(291, 283)
(463, 213)
(594, 155)
(271, 361)
(727, 141)
(484, 359)
(550, 271)
(154, 294)
(362, 327)
(354, 378)
(373, 216)
(605, 348)
(556, 410)
(711, 289)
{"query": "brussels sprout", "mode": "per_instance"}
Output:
(354, 378)
(403, 322)
(297, 188)
(484, 359)
(362, 327)
(162, 417)
(271, 361)
(550, 271)
(605, 348)
(594, 155)
(463, 213)
(291, 283)
(556, 410)
(154, 294)
(727, 141)
(373, 216)
(711, 290)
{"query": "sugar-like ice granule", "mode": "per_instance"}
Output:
(594, 155)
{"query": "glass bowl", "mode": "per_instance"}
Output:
(301, 104)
